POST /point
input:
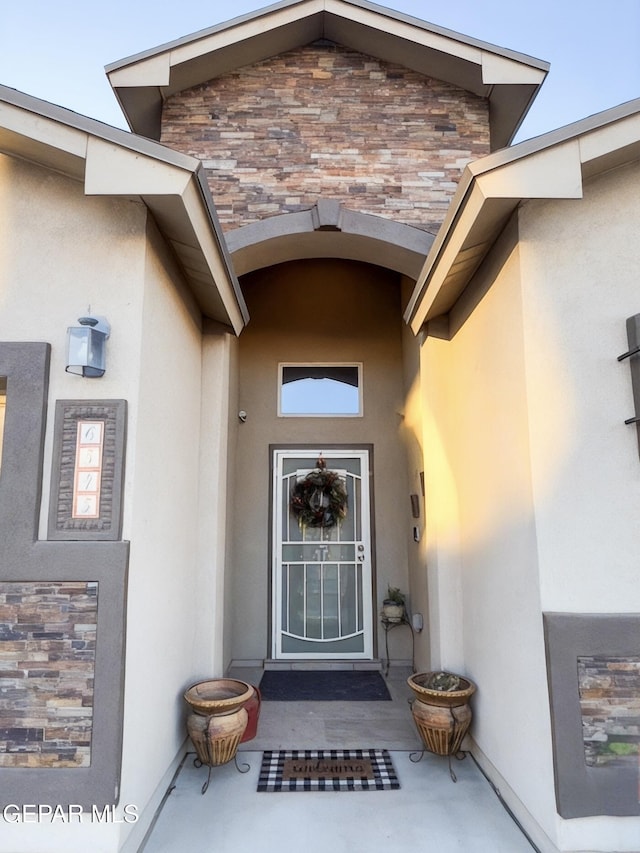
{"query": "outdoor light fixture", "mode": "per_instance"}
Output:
(86, 346)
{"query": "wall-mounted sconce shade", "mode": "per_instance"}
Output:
(86, 345)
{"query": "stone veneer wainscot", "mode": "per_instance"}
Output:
(48, 634)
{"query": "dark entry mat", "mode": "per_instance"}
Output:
(327, 770)
(323, 685)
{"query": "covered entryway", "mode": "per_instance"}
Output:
(322, 578)
(297, 595)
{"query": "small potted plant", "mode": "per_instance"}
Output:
(393, 605)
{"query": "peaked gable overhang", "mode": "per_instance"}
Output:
(113, 162)
(554, 165)
(509, 80)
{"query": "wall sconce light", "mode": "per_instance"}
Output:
(86, 345)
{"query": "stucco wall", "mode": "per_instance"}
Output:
(326, 121)
(218, 419)
(61, 252)
(533, 478)
(580, 291)
(234, 425)
(324, 311)
(162, 657)
(580, 261)
(412, 432)
(482, 553)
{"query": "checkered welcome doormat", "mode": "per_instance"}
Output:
(327, 770)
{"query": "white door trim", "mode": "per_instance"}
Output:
(363, 551)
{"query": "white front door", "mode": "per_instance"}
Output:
(322, 593)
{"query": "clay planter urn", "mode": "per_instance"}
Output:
(218, 718)
(441, 709)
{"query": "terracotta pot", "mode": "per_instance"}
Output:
(441, 717)
(218, 718)
(441, 729)
(216, 738)
(446, 698)
(218, 695)
(253, 710)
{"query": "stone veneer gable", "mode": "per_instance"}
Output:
(324, 121)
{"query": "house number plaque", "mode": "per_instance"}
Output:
(88, 470)
(88, 464)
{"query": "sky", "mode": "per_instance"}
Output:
(57, 49)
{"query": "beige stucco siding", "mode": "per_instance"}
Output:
(218, 417)
(412, 432)
(324, 311)
(483, 561)
(61, 252)
(233, 426)
(162, 591)
(532, 476)
(580, 263)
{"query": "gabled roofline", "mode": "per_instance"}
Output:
(110, 161)
(554, 165)
(509, 80)
(374, 7)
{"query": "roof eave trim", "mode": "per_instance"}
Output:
(69, 118)
(383, 11)
(549, 166)
(110, 161)
(205, 192)
(141, 81)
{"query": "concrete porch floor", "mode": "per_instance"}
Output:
(429, 811)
